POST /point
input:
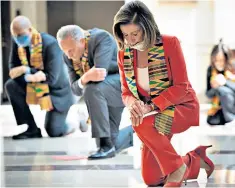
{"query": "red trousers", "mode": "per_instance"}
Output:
(159, 158)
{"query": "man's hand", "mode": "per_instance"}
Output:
(95, 75)
(37, 77)
(17, 71)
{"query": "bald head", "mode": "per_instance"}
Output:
(20, 25)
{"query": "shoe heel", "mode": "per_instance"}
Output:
(201, 151)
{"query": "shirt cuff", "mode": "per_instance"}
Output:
(25, 77)
(28, 71)
(80, 83)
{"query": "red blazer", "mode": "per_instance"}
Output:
(180, 94)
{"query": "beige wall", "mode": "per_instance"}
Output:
(92, 14)
(224, 19)
(86, 13)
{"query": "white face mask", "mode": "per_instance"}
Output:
(139, 46)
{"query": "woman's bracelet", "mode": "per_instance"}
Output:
(153, 106)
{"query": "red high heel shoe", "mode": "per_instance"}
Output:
(201, 151)
(178, 184)
(196, 155)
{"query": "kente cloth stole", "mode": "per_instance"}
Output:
(158, 82)
(36, 93)
(215, 101)
(82, 66)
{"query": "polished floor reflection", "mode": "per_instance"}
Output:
(59, 162)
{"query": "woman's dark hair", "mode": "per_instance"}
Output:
(221, 47)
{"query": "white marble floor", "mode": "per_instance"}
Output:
(36, 162)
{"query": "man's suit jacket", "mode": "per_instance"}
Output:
(54, 68)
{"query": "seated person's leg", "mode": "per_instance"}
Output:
(227, 100)
(17, 97)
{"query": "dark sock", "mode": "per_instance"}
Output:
(32, 127)
(106, 143)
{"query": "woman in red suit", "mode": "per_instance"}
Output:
(159, 96)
